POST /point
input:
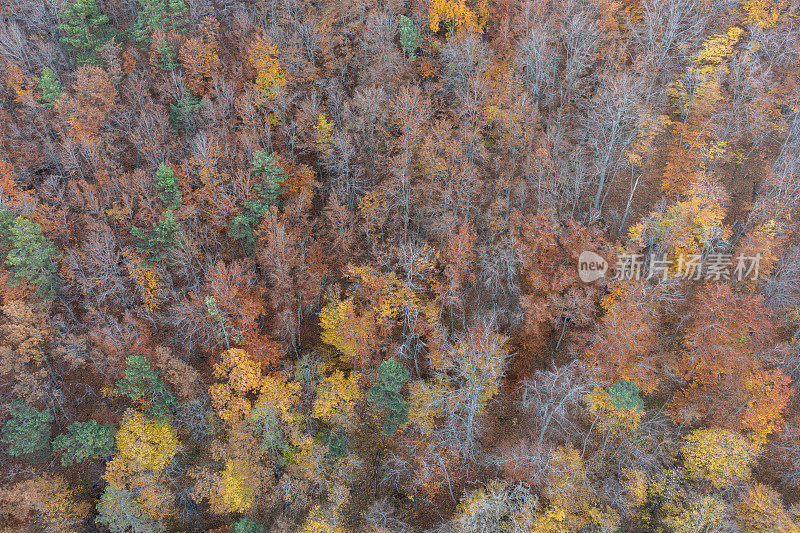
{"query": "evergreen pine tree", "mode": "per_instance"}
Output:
(142, 384)
(624, 396)
(385, 395)
(33, 258)
(155, 247)
(85, 29)
(409, 37)
(85, 440)
(27, 431)
(271, 176)
(120, 511)
(158, 16)
(169, 186)
(181, 111)
(245, 525)
(166, 56)
(51, 87)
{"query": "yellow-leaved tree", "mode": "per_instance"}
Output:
(144, 444)
(323, 135)
(144, 449)
(572, 503)
(262, 430)
(765, 240)
(263, 56)
(764, 13)
(242, 381)
(337, 398)
(717, 455)
(689, 226)
(323, 521)
(703, 514)
(425, 403)
(362, 322)
(453, 15)
(691, 143)
(237, 490)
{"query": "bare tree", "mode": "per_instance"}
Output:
(553, 400)
(610, 129)
(664, 26)
(580, 39)
(537, 64)
(478, 361)
(553, 403)
(782, 287)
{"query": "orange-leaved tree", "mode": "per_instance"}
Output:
(226, 313)
(626, 343)
(726, 382)
(363, 322)
(241, 382)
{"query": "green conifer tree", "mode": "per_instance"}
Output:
(409, 37)
(155, 246)
(166, 56)
(385, 395)
(85, 29)
(51, 87)
(158, 16)
(271, 176)
(27, 431)
(169, 186)
(181, 112)
(120, 512)
(85, 440)
(245, 525)
(33, 258)
(624, 396)
(142, 384)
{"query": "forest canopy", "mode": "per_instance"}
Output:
(452, 266)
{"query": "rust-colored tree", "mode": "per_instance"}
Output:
(725, 382)
(553, 296)
(226, 313)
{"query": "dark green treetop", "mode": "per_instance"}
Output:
(156, 245)
(270, 177)
(158, 16)
(85, 440)
(142, 384)
(50, 86)
(385, 394)
(32, 257)
(85, 29)
(409, 37)
(27, 431)
(624, 396)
